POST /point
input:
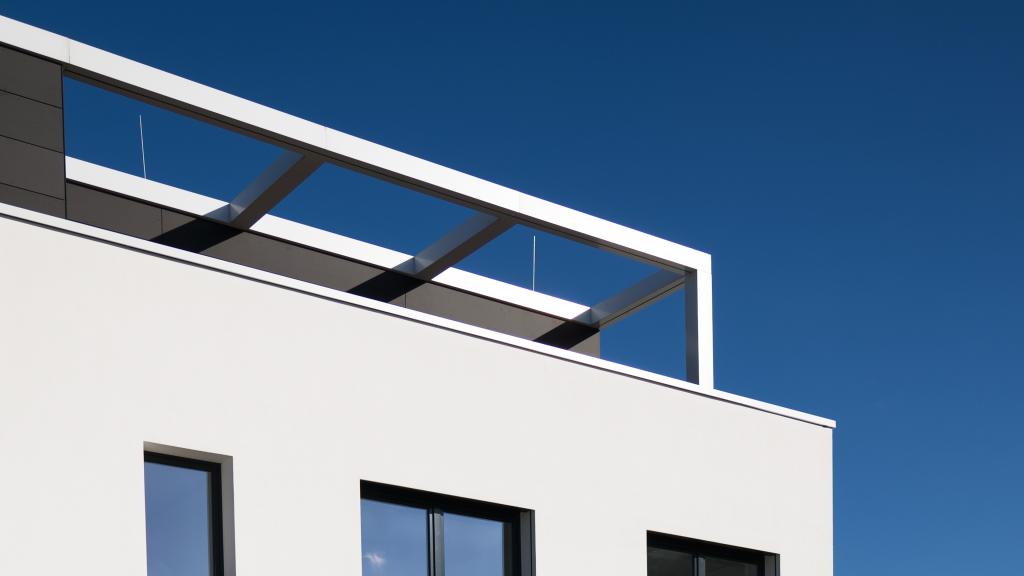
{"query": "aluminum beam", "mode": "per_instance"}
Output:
(699, 345)
(647, 291)
(456, 245)
(211, 105)
(277, 181)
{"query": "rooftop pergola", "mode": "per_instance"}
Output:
(305, 146)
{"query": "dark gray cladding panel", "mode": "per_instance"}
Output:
(590, 346)
(111, 212)
(573, 336)
(31, 121)
(31, 200)
(473, 309)
(31, 77)
(31, 168)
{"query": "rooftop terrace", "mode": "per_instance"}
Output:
(241, 237)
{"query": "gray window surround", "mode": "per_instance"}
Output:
(184, 516)
(222, 494)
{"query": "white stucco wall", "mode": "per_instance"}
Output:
(104, 348)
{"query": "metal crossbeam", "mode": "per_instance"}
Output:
(456, 245)
(647, 291)
(270, 187)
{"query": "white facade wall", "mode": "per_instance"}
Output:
(103, 349)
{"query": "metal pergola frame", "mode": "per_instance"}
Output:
(307, 145)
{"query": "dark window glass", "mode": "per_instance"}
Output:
(723, 567)
(473, 546)
(394, 539)
(415, 533)
(661, 562)
(675, 556)
(181, 538)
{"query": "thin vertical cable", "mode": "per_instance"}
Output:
(533, 268)
(142, 142)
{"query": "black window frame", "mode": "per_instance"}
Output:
(215, 501)
(767, 563)
(518, 522)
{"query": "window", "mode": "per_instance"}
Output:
(674, 556)
(414, 533)
(184, 521)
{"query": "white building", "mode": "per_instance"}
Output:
(196, 387)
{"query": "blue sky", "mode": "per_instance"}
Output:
(855, 170)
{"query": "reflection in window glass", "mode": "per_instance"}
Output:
(661, 562)
(178, 539)
(473, 546)
(722, 567)
(394, 539)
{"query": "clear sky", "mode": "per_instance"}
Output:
(854, 168)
